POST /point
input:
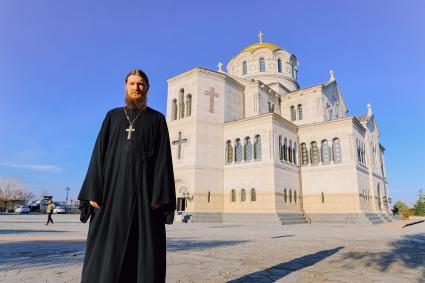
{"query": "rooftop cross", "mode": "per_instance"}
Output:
(260, 35)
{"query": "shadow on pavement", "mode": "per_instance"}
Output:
(18, 231)
(19, 255)
(409, 251)
(281, 270)
(179, 244)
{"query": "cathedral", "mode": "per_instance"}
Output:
(250, 145)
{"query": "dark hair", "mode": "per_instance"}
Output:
(140, 73)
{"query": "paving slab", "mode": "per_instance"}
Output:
(197, 252)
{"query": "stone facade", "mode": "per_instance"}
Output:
(251, 142)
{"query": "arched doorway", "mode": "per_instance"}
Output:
(182, 196)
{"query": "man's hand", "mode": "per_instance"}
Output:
(155, 206)
(94, 204)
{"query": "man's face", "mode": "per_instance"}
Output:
(135, 86)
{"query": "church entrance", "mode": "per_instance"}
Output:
(181, 204)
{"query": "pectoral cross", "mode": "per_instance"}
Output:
(129, 130)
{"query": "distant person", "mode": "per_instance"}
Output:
(50, 207)
(129, 192)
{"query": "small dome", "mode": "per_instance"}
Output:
(256, 46)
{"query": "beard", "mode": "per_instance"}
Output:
(138, 103)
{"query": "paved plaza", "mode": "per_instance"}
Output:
(33, 252)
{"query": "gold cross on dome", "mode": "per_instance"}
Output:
(260, 35)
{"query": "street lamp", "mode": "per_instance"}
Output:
(66, 201)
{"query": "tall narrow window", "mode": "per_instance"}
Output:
(279, 65)
(323, 197)
(244, 68)
(229, 152)
(233, 195)
(280, 148)
(314, 153)
(300, 112)
(293, 114)
(290, 196)
(294, 157)
(253, 195)
(285, 195)
(188, 105)
(295, 196)
(247, 149)
(290, 152)
(238, 150)
(285, 150)
(304, 154)
(262, 65)
(174, 110)
(326, 155)
(209, 196)
(257, 147)
(181, 103)
(336, 150)
(243, 195)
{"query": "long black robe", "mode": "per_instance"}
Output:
(126, 237)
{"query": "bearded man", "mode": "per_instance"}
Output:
(129, 192)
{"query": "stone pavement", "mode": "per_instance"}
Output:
(33, 252)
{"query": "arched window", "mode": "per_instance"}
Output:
(262, 65)
(290, 196)
(293, 114)
(181, 103)
(314, 153)
(300, 112)
(247, 149)
(285, 195)
(174, 110)
(290, 152)
(326, 154)
(304, 154)
(229, 152)
(285, 150)
(188, 105)
(280, 148)
(295, 196)
(233, 195)
(294, 155)
(257, 147)
(209, 196)
(244, 68)
(336, 150)
(279, 65)
(253, 195)
(243, 195)
(238, 150)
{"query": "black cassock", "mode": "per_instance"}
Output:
(126, 237)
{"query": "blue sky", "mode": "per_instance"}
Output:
(62, 65)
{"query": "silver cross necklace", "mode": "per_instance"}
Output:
(130, 128)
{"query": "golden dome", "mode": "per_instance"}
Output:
(256, 46)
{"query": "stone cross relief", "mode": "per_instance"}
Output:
(179, 143)
(212, 94)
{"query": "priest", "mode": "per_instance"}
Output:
(128, 193)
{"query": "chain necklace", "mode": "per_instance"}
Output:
(130, 129)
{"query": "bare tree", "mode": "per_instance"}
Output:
(13, 190)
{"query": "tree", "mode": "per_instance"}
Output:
(398, 207)
(13, 190)
(419, 207)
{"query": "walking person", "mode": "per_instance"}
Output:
(50, 207)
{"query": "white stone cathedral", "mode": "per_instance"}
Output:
(250, 145)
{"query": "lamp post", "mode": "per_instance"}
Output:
(66, 201)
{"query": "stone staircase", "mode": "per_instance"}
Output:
(289, 218)
(351, 218)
